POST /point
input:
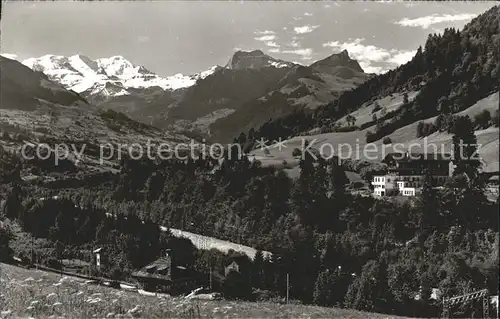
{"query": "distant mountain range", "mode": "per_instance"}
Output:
(34, 109)
(216, 103)
(112, 76)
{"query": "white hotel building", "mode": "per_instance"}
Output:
(406, 172)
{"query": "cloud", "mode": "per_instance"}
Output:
(272, 44)
(264, 32)
(427, 21)
(274, 50)
(360, 51)
(306, 54)
(143, 38)
(371, 69)
(9, 56)
(410, 5)
(402, 57)
(367, 55)
(294, 44)
(305, 29)
(266, 38)
(307, 14)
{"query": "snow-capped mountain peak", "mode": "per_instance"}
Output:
(107, 76)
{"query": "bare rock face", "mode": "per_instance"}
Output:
(336, 62)
(254, 60)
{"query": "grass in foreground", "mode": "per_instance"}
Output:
(34, 293)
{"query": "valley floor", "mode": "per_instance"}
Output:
(35, 293)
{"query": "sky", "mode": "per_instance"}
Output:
(170, 37)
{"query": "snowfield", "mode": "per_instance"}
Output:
(82, 74)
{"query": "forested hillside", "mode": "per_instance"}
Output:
(451, 71)
(339, 249)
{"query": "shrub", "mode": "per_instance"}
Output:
(5, 238)
(356, 184)
(376, 107)
(405, 98)
(344, 129)
(426, 129)
(482, 120)
(392, 192)
(351, 120)
(114, 284)
(53, 263)
(387, 140)
(496, 118)
(296, 152)
(370, 137)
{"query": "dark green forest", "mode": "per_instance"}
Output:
(338, 249)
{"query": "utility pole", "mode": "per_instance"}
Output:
(210, 278)
(32, 251)
(287, 287)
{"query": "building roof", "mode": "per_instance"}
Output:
(401, 171)
(416, 156)
(155, 269)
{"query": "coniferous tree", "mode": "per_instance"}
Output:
(465, 155)
(427, 204)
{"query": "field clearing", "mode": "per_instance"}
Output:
(207, 243)
(388, 103)
(352, 144)
(34, 293)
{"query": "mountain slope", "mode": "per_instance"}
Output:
(22, 88)
(225, 89)
(487, 139)
(36, 110)
(301, 87)
(451, 73)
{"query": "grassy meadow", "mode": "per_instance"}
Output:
(34, 293)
